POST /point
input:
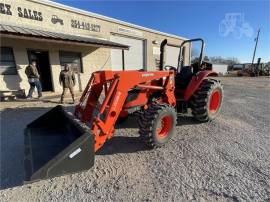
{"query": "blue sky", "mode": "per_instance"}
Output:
(231, 36)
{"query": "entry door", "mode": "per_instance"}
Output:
(43, 67)
(134, 57)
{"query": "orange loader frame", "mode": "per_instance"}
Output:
(115, 86)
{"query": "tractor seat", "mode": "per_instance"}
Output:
(183, 78)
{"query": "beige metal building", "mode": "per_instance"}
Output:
(54, 34)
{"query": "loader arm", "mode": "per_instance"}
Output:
(113, 86)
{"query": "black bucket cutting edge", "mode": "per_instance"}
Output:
(56, 144)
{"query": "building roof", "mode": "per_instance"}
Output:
(41, 34)
(102, 17)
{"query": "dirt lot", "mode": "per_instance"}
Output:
(226, 160)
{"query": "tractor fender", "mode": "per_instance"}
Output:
(195, 83)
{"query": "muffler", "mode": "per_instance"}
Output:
(57, 144)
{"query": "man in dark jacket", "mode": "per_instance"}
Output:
(33, 79)
(67, 80)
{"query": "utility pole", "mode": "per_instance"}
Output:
(254, 53)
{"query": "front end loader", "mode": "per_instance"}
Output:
(59, 142)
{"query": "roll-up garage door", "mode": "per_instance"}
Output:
(134, 57)
(172, 54)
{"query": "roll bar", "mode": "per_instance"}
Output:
(180, 59)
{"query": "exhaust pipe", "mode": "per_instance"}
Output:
(57, 144)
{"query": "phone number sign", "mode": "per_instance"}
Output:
(85, 26)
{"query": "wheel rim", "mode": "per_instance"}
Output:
(164, 126)
(214, 101)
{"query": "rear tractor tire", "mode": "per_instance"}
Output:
(157, 125)
(207, 100)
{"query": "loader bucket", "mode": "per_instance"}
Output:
(57, 144)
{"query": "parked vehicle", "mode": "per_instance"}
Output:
(59, 142)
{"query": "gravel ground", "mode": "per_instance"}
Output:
(227, 159)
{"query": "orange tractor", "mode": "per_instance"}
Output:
(59, 142)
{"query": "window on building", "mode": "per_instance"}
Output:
(72, 58)
(7, 62)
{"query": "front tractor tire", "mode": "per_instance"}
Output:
(157, 125)
(207, 100)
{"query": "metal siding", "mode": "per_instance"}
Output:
(134, 57)
(220, 68)
(171, 57)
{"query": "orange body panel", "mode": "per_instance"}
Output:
(195, 83)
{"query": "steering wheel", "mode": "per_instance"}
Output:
(169, 67)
